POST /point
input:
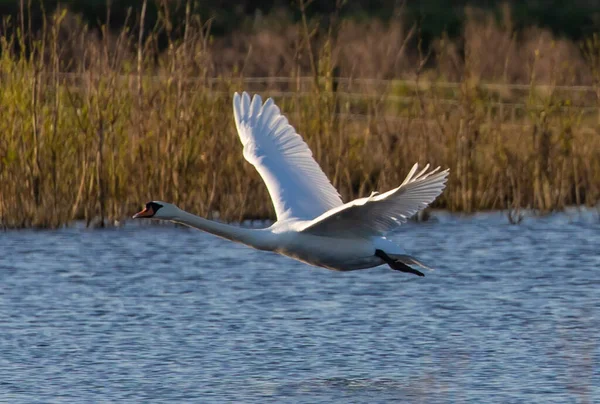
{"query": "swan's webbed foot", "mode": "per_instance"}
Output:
(402, 267)
(397, 265)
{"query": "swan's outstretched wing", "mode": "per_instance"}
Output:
(297, 185)
(381, 213)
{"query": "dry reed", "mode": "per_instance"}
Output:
(96, 123)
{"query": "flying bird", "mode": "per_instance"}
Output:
(313, 224)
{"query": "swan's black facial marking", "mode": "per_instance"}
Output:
(149, 210)
(154, 207)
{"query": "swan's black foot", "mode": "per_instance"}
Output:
(397, 265)
(400, 266)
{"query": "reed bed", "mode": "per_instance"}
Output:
(95, 123)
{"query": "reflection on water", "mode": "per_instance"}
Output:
(511, 314)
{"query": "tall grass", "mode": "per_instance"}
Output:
(94, 123)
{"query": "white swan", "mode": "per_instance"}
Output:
(313, 224)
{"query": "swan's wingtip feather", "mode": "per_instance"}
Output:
(268, 103)
(236, 100)
(257, 98)
(245, 98)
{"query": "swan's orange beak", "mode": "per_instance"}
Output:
(147, 212)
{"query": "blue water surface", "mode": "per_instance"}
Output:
(170, 314)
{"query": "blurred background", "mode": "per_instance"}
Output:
(107, 104)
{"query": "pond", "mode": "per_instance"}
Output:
(170, 314)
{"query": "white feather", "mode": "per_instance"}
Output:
(379, 214)
(298, 187)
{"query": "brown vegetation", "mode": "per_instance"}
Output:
(94, 124)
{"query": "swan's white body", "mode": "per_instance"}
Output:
(313, 224)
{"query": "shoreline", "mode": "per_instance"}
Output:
(589, 214)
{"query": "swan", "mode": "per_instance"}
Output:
(313, 224)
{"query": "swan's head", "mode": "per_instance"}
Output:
(158, 210)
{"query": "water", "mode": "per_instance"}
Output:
(165, 314)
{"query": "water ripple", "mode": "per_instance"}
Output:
(511, 314)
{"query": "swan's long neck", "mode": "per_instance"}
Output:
(256, 238)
